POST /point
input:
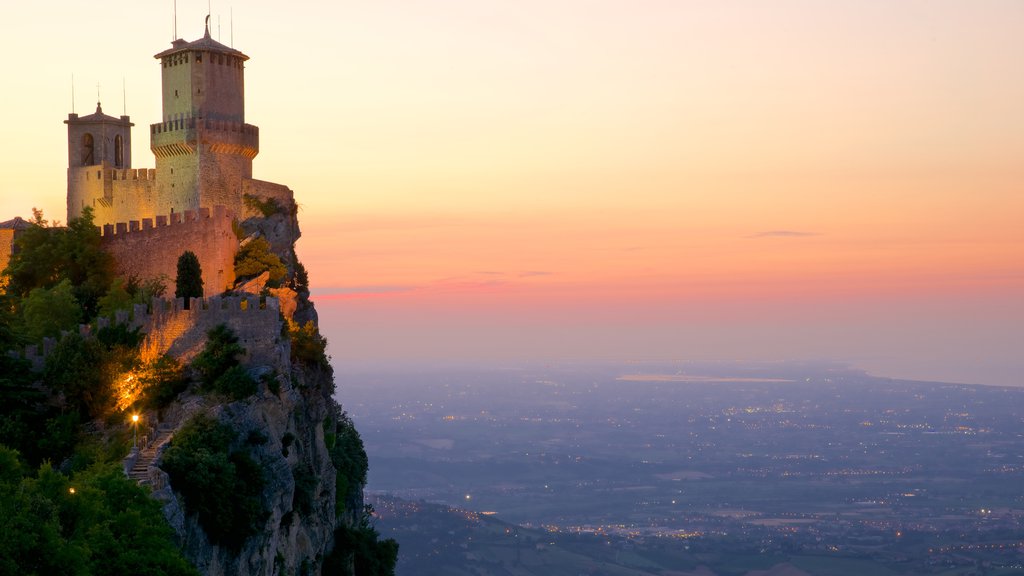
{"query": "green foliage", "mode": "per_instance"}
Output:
(256, 258)
(163, 380)
(308, 346)
(363, 546)
(189, 281)
(48, 311)
(80, 368)
(349, 458)
(117, 298)
(120, 336)
(265, 206)
(107, 526)
(236, 383)
(300, 280)
(221, 486)
(219, 367)
(47, 255)
(10, 323)
(143, 292)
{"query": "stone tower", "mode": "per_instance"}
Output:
(96, 143)
(203, 147)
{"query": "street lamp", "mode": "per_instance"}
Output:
(135, 430)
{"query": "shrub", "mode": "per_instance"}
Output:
(163, 380)
(109, 525)
(256, 258)
(349, 458)
(47, 311)
(309, 347)
(265, 206)
(219, 367)
(221, 486)
(363, 547)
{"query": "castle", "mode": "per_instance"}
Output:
(203, 176)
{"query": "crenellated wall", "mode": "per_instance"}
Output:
(171, 329)
(149, 248)
(116, 195)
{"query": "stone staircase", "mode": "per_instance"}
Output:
(148, 454)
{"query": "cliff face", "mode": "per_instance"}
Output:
(287, 428)
(295, 463)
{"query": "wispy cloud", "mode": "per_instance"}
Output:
(783, 234)
(346, 292)
(531, 273)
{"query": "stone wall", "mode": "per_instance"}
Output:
(149, 249)
(171, 329)
(116, 195)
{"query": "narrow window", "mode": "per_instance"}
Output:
(118, 151)
(88, 155)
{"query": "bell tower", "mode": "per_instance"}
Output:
(203, 147)
(99, 139)
(96, 144)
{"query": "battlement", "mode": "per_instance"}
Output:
(120, 229)
(130, 174)
(183, 136)
(171, 328)
(105, 173)
(204, 124)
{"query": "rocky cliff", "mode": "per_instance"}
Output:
(289, 462)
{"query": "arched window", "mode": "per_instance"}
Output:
(118, 151)
(88, 154)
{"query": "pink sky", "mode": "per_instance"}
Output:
(485, 180)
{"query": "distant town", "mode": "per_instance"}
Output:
(811, 467)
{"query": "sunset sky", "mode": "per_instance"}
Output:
(486, 180)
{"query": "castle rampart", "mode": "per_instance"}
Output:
(149, 248)
(171, 329)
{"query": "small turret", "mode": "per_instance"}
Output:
(97, 139)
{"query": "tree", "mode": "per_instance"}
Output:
(47, 311)
(255, 258)
(46, 255)
(189, 283)
(219, 367)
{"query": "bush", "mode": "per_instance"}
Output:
(47, 255)
(108, 525)
(309, 347)
(363, 547)
(218, 365)
(265, 206)
(349, 458)
(82, 370)
(256, 258)
(48, 311)
(223, 487)
(162, 380)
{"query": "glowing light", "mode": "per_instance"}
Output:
(71, 490)
(135, 418)
(127, 389)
